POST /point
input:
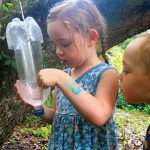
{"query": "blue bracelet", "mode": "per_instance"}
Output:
(39, 112)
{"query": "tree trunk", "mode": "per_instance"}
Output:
(124, 19)
(11, 114)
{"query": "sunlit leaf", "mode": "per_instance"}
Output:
(9, 4)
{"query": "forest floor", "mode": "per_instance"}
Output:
(32, 134)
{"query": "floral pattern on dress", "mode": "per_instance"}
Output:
(70, 131)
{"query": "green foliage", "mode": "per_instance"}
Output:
(46, 61)
(43, 131)
(31, 122)
(115, 57)
(130, 126)
(34, 125)
(7, 10)
(5, 7)
(49, 100)
(6, 59)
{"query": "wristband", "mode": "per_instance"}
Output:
(39, 112)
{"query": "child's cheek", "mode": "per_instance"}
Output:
(126, 92)
(130, 96)
(127, 96)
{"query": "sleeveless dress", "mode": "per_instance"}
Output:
(70, 131)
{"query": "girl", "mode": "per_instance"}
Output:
(85, 93)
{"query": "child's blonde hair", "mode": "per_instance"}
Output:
(144, 51)
(82, 15)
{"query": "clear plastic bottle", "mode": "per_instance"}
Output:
(25, 38)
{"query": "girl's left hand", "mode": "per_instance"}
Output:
(50, 77)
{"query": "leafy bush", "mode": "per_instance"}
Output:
(115, 57)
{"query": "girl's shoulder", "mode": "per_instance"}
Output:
(104, 66)
(101, 68)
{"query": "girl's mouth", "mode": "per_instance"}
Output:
(64, 61)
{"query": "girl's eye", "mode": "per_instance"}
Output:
(65, 44)
(62, 43)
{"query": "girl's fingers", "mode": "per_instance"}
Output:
(22, 101)
(18, 95)
(38, 79)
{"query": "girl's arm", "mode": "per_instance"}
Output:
(49, 112)
(96, 109)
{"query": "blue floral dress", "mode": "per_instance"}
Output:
(70, 131)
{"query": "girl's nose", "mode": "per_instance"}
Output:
(59, 51)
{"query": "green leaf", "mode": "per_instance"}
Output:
(5, 8)
(13, 64)
(4, 55)
(9, 4)
(8, 62)
(37, 131)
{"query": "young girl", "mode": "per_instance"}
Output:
(85, 93)
(135, 78)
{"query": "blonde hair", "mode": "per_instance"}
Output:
(82, 16)
(144, 51)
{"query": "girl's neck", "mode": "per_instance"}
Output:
(78, 71)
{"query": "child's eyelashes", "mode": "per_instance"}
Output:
(65, 45)
(62, 45)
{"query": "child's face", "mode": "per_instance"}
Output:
(134, 82)
(70, 46)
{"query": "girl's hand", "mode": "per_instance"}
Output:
(26, 93)
(16, 87)
(51, 77)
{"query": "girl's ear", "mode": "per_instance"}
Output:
(93, 37)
